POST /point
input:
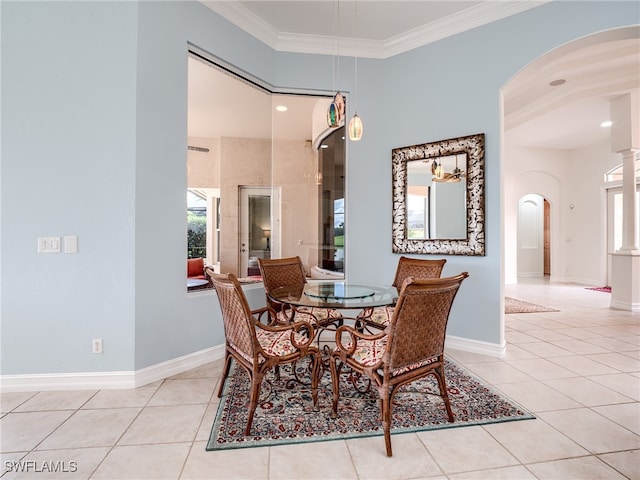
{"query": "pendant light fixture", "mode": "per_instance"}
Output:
(355, 124)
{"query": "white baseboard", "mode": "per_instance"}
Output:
(109, 380)
(629, 306)
(476, 346)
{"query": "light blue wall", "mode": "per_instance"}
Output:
(93, 144)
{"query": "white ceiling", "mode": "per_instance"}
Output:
(536, 115)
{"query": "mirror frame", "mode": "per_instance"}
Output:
(474, 244)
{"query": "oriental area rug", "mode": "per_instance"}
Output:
(513, 305)
(285, 412)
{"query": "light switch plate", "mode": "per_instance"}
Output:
(70, 244)
(48, 244)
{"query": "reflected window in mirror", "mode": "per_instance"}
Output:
(438, 197)
(263, 145)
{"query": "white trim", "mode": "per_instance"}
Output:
(628, 306)
(109, 380)
(476, 346)
(476, 16)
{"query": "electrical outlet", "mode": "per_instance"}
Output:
(97, 345)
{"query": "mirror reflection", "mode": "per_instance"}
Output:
(437, 197)
(265, 175)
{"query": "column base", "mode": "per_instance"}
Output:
(625, 284)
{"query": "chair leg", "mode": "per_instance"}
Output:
(315, 374)
(256, 382)
(225, 372)
(442, 384)
(385, 413)
(335, 384)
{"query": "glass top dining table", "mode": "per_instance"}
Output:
(336, 294)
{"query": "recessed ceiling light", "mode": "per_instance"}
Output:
(281, 108)
(606, 124)
(557, 82)
(324, 145)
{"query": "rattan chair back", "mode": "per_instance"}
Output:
(239, 330)
(417, 329)
(417, 269)
(281, 272)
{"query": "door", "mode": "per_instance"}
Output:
(547, 237)
(259, 227)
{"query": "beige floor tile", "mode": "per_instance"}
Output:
(623, 383)
(506, 473)
(533, 441)
(586, 391)
(410, 458)
(186, 391)
(208, 370)
(541, 369)
(72, 464)
(498, 372)
(580, 347)
(618, 361)
(613, 344)
(544, 349)
(67, 400)
(583, 365)
(235, 464)
(468, 357)
(465, 449)
(137, 462)
(537, 397)
(626, 415)
(91, 428)
(587, 468)
(516, 338)
(312, 461)
(592, 431)
(134, 397)
(207, 422)
(627, 463)
(11, 400)
(549, 335)
(514, 352)
(579, 333)
(167, 424)
(24, 431)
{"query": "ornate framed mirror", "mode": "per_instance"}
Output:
(438, 197)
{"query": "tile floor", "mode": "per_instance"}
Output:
(578, 370)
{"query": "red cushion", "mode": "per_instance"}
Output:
(195, 267)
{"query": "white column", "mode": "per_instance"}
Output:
(629, 210)
(625, 140)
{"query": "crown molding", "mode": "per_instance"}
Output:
(473, 17)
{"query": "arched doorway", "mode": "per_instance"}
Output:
(534, 236)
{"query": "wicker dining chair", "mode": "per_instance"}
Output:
(418, 269)
(289, 272)
(410, 348)
(259, 347)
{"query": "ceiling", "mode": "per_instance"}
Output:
(536, 114)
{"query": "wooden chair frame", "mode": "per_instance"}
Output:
(242, 326)
(412, 345)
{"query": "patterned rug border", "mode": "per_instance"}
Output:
(600, 289)
(253, 442)
(513, 305)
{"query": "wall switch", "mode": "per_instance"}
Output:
(70, 244)
(97, 345)
(48, 244)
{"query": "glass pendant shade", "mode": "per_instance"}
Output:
(355, 128)
(335, 113)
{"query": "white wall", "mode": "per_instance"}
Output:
(93, 144)
(564, 178)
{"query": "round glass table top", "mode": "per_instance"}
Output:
(338, 291)
(338, 294)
